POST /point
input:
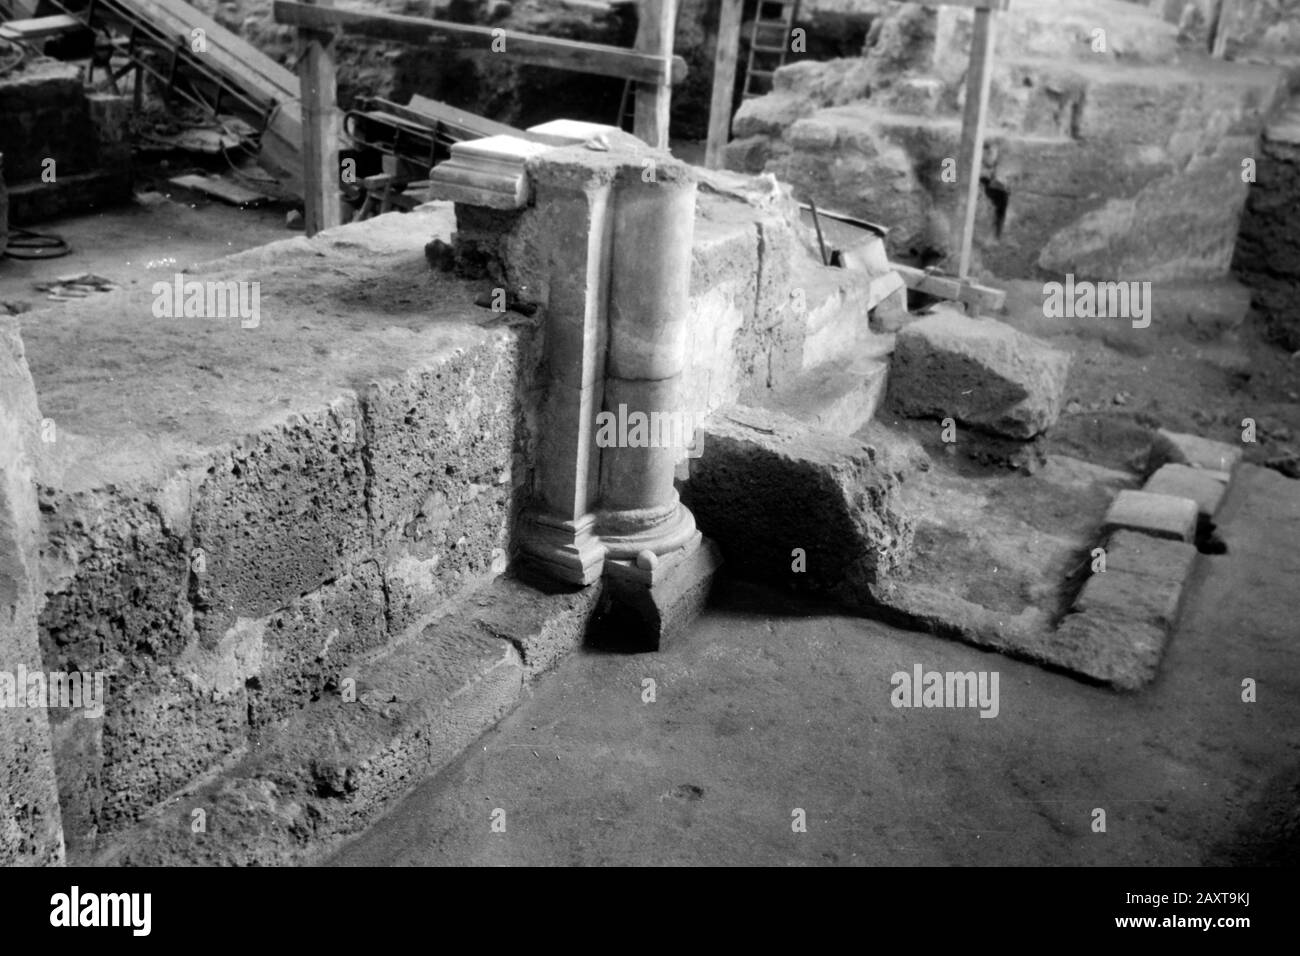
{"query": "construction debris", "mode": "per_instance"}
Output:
(220, 188)
(78, 285)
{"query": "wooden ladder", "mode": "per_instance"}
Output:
(769, 42)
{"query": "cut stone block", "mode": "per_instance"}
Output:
(1131, 595)
(1183, 481)
(374, 491)
(486, 172)
(804, 508)
(1115, 650)
(1197, 452)
(838, 397)
(1163, 516)
(567, 132)
(654, 606)
(542, 621)
(1159, 558)
(1124, 615)
(982, 373)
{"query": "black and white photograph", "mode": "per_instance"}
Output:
(650, 433)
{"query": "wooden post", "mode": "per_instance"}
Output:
(1227, 13)
(320, 129)
(654, 36)
(972, 128)
(724, 82)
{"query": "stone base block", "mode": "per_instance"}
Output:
(652, 606)
(1193, 451)
(1182, 481)
(982, 373)
(565, 551)
(1162, 516)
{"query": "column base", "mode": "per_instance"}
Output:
(626, 534)
(566, 551)
(653, 605)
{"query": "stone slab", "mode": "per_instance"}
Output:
(1159, 558)
(1182, 449)
(1114, 650)
(1163, 516)
(1183, 481)
(542, 621)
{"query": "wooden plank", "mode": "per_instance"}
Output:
(320, 130)
(594, 58)
(971, 159)
(724, 82)
(423, 109)
(965, 291)
(39, 28)
(222, 189)
(234, 58)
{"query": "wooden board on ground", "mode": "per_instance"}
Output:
(222, 189)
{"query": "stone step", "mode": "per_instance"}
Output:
(390, 722)
(837, 304)
(838, 396)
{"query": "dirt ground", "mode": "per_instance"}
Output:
(766, 708)
(136, 244)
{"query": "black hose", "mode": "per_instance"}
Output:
(25, 244)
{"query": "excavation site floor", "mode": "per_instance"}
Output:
(762, 711)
